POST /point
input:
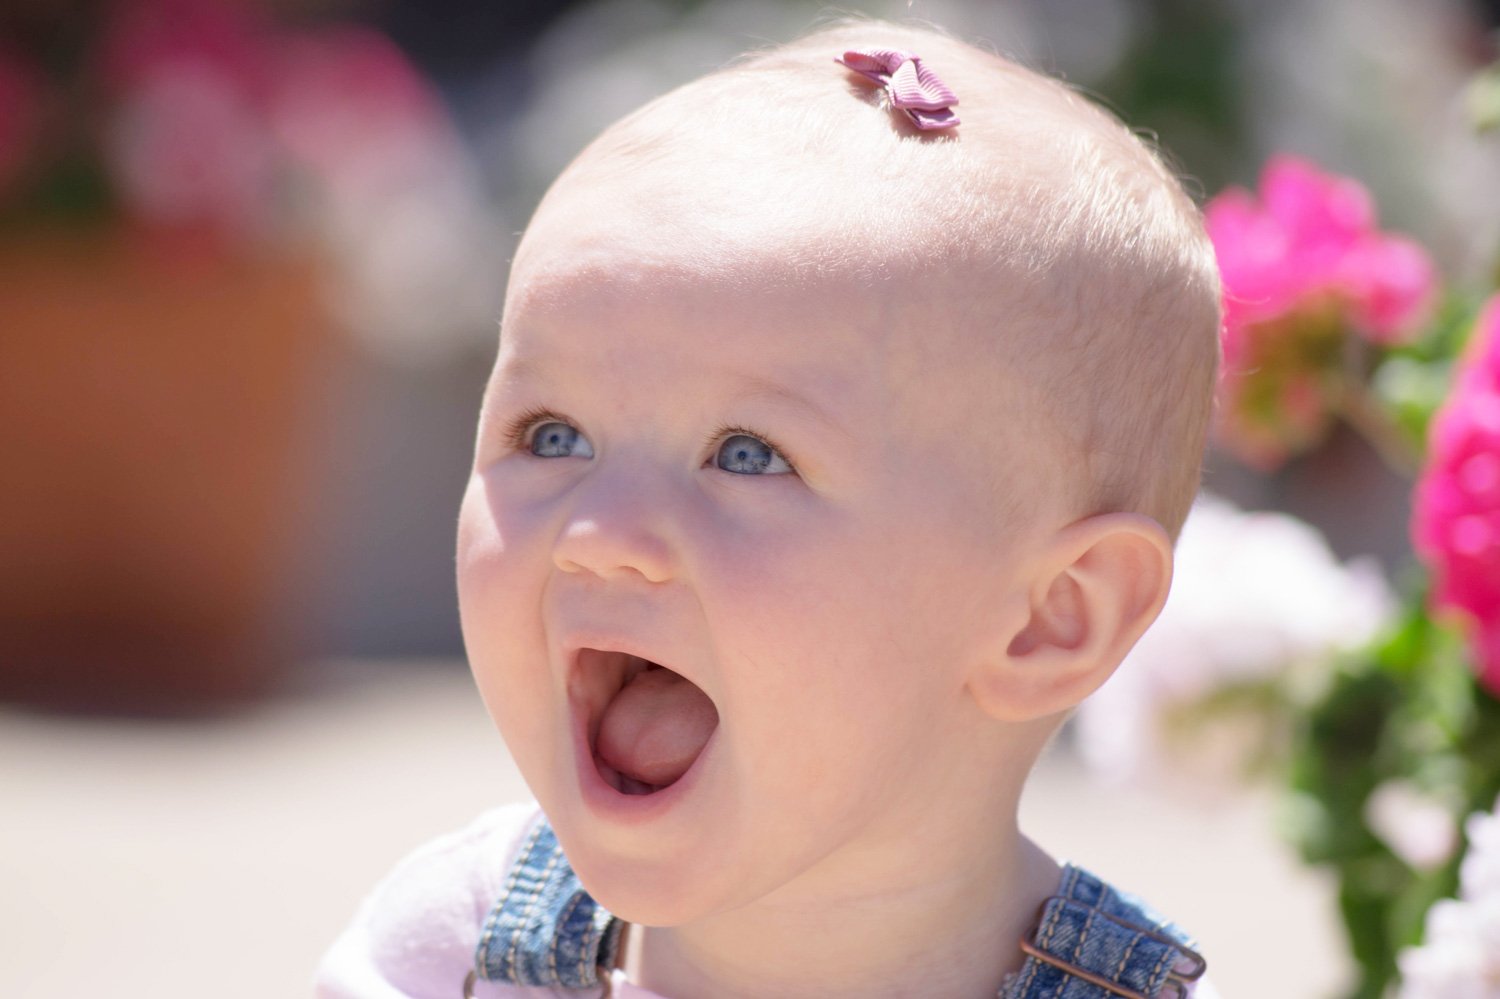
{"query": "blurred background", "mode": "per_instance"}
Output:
(252, 255)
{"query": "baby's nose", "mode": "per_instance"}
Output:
(614, 531)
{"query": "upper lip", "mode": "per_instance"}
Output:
(579, 644)
(592, 689)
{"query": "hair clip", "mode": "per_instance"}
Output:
(909, 85)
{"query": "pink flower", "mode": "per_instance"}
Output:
(353, 111)
(18, 113)
(1390, 284)
(216, 111)
(1304, 264)
(187, 147)
(1312, 235)
(188, 143)
(1456, 522)
(148, 37)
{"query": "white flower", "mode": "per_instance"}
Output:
(1419, 828)
(1254, 595)
(1460, 955)
(1480, 872)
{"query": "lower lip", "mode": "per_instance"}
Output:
(607, 803)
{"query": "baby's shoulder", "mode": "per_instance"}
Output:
(415, 934)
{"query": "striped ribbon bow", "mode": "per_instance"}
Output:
(909, 85)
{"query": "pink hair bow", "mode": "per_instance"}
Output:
(909, 85)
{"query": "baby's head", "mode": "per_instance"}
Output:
(872, 440)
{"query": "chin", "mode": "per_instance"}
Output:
(657, 893)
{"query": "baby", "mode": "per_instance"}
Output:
(837, 440)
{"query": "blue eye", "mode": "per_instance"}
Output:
(555, 439)
(746, 455)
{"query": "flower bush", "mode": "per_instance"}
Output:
(207, 124)
(1310, 284)
(1394, 728)
(1460, 958)
(1456, 525)
(1258, 601)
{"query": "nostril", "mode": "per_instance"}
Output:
(609, 572)
(612, 551)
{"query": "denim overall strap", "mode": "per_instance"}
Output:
(545, 929)
(1092, 942)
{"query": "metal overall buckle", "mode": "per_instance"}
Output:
(1178, 978)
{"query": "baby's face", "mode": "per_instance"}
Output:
(796, 494)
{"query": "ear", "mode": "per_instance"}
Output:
(1095, 589)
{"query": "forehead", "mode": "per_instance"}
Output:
(715, 259)
(604, 272)
(653, 336)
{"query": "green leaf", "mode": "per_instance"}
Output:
(1412, 390)
(1483, 99)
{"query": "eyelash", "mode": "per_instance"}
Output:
(731, 430)
(518, 429)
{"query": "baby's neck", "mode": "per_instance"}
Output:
(949, 937)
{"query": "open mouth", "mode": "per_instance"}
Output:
(647, 724)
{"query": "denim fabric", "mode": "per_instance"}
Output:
(545, 930)
(1090, 930)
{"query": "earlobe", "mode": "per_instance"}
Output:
(1099, 585)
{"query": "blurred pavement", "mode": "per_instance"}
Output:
(163, 860)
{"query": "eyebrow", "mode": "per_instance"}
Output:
(753, 387)
(747, 387)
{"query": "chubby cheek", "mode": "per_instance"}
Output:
(499, 586)
(836, 664)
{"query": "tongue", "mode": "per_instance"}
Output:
(655, 727)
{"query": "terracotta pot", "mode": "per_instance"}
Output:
(150, 399)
